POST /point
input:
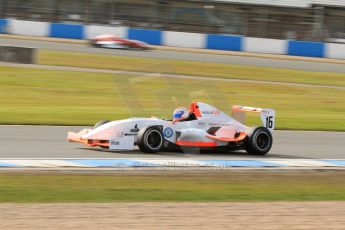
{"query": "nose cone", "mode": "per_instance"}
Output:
(103, 132)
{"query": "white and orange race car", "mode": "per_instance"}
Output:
(206, 127)
(114, 42)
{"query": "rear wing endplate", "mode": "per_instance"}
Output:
(267, 115)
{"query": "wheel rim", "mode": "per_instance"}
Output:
(154, 139)
(262, 141)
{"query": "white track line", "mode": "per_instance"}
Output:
(180, 76)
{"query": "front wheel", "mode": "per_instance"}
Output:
(102, 122)
(98, 124)
(150, 139)
(258, 141)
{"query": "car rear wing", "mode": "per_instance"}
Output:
(267, 115)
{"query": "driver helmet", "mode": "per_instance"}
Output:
(180, 114)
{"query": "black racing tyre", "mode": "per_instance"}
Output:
(94, 44)
(259, 141)
(150, 139)
(135, 48)
(102, 122)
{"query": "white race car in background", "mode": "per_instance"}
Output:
(206, 127)
(114, 42)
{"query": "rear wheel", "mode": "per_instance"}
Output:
(258, 141)
(135, 48)
(150, 139)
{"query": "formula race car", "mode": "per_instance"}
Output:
(115, 42)
(205, 127)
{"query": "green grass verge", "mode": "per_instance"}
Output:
(204, 186)
(36, 96)
(244, 71)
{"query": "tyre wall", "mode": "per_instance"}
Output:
(177, 39)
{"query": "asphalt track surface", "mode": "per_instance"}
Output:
(177, 55)
(50, 142)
